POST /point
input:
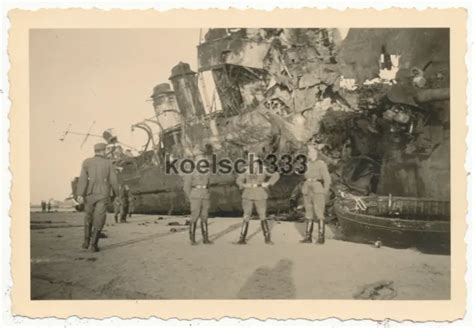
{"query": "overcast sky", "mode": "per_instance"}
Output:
(78, 76)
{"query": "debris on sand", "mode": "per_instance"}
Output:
(380, 290)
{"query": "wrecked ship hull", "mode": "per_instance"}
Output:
(277, 90)
(399, 222)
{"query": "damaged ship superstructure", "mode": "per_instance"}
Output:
(375, 101)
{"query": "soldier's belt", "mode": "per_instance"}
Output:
(200, 187)
(254, 185)
(315, 180)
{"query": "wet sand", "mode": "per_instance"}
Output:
(149, 259)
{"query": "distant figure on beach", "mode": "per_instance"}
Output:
(124, 196)
(117, 208)
(131, 204)
(122, 204)
(49, 206)
(43, 206)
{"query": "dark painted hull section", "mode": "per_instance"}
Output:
(158, 193)
(431, 234)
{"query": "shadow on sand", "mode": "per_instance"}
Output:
(270, 283)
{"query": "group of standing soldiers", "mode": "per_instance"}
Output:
(45, 206)
(98, 179)
(254, 184)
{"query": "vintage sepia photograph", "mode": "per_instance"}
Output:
(240, 163)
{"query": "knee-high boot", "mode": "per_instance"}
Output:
(87, 235)
(321, 231)
(243, 233)
(94, 247)
(192, 233)
(266, 232)
(309, 232)
(205, 233)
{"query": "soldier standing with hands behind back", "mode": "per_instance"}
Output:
(97, 179)
(315, 189)
(254, 183)
(196, 188)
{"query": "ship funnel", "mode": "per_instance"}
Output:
(186, 88)
(166, 108)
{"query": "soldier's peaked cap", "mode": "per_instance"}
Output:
(100, 146)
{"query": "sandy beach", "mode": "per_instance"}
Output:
(148, 258)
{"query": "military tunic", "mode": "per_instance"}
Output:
(315, 189)
(196, 187)
(97, 180)
(254, 194)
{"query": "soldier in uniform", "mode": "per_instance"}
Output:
(117, 206)
(315, 189)
(124, 193)
(196, 188)
(131, 204)
(254, 186)
(97, 179)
